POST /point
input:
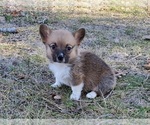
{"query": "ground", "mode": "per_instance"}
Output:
(25, 79)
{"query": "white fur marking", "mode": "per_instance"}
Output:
(76, 91)
(91, 95)
(61, 72)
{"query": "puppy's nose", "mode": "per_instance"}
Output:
(60, 56)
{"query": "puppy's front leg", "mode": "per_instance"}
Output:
(57, 83)
(76, 91)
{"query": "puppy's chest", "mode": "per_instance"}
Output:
(61, 72)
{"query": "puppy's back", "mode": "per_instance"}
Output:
(95, 73)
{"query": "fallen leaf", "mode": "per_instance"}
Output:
(15, 13)
(57, 97)
(147, 66)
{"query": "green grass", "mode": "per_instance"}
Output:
(8, 18)
(129, 30)
(28, 83)
(85, 19)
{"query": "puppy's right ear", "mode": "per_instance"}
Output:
(45, 32)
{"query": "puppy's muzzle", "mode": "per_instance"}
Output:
(60, 57)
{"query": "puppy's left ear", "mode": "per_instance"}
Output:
(79, 35)
(45, 32)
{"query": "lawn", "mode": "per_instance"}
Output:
(25, 79)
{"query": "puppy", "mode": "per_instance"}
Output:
(81, 71)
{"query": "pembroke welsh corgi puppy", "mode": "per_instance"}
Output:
(79, 70)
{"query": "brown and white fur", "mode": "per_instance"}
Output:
(81, 71)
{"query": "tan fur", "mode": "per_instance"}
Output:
(62, 38)
(86, 67)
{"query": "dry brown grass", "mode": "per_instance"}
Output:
(25, 79)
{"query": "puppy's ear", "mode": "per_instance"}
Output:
(79, 35)
(45, 32)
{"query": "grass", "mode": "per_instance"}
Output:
(85, 19)
(26, 88)
(25, 78)
(8, 18)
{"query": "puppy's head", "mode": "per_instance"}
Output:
(61, 45)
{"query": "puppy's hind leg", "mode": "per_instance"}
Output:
(106, 86)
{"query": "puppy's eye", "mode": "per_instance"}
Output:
(53, 46)
(69, 48)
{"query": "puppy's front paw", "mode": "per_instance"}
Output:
(55, 85)
(75, 96)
